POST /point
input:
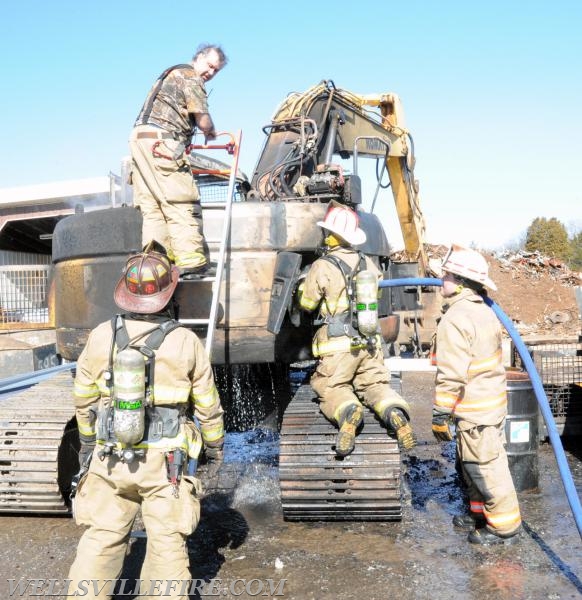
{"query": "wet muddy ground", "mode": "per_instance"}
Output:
(242, 535)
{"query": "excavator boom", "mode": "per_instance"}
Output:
(309, 127)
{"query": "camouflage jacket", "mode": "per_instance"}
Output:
(179, 98)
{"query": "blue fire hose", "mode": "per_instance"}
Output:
(540, 393)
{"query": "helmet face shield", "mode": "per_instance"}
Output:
(147, 283)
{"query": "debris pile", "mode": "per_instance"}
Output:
(536, 265)
(535, 291)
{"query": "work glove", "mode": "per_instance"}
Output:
(214, 459)
(85, 454)
(86, 450)
(441, 426)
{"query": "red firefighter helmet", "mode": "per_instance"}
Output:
(147, 283)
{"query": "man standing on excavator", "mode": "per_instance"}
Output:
(471, 389)
(351, 364)
(163, 186)
(146, 403)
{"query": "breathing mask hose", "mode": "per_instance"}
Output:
(538, 388)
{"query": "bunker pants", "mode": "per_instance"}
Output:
(166, 193)
(352, 377)
(484, 466)
(108, 500)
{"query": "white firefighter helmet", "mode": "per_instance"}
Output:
(344, 222)
(468, 264)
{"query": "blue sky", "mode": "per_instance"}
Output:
(492, 92)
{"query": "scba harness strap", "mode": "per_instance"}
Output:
(160, 421)
(156, 336)
(345, 323)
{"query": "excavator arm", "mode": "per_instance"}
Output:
(400, 165)
(310, 127)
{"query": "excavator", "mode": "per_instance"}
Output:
(317, 146)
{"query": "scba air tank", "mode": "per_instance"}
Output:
(367, 302)
(129, 396)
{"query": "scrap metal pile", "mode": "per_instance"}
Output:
(536, 265)
(535, 291)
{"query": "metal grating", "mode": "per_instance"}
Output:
(560, 368)
(23, 295)
(316, 485)
(215, 189)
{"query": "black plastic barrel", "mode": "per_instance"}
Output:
(521, 430)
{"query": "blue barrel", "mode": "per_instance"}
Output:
(521, 431)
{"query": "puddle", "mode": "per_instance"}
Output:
(242, 534)
(434, 480)
(249, 447)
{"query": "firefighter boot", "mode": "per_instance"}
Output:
(349, 423)
(396, 419)
(485, 537)
(200, 272)
(468, 522)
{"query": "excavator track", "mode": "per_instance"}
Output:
(38, 448)
(316, 485)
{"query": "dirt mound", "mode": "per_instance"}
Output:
(535, 291)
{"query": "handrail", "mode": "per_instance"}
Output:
(232, 148)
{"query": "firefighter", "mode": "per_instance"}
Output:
(350, 366)
(163, 186)
(471, 393)
(179, 411)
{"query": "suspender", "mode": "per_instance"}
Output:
(154, 340)
(157, 333)
(348, 273)
(147, 108)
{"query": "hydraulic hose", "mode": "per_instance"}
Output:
(538, 388)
